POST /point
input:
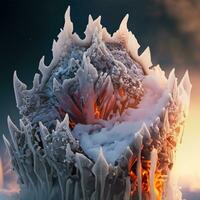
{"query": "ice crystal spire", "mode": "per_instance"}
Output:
(98, 120)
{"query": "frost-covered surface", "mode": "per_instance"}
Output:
(93, 116)
(119, 132)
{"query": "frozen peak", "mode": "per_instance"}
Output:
(101, 164)
(56, 85)
(14, 131)
(19, 87)
(145, 60)
(123, 25)
(68, 27)
(184, 90)
(92, 27)
(8, 146)
(144, 132)
(90, 19)
(64, 125)
(122, 34)
(171, 80)
(186, 83)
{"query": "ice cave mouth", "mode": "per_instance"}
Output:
(97, 88)
(109, 84)
(115, 135)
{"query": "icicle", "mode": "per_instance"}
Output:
(36, 81)
(19, 88)
(105, 35)
(64, 125)
(171, 80)
(173, 87)
(100, 170)
(42, 67)
(45, 70)
(56, 85)
(44, 133)
(186, 84)
(68, 27)
(14, 131)
(123, 25)
(132, 46)
(145, 60)
(139, 164)
(144, 132)
(122, 33)
(154, 158)
(84, 165)
(76, 191)
(69, 154)
(22, 125)
(166, 125)
(69, 189)
(89, 31)
(159, 73)
(128, 189)
(57, 124)
(8, 147)
(184, 88)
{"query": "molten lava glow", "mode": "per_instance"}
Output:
(121, 92)
(97, 113)
(158, 180)
(188, 158)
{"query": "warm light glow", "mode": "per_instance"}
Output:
(97, 113)
(188, 159)
(121, 92)
(158, 180)
(11, 187)
(1, 175)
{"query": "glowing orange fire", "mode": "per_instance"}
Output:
(97, 113)
(158, 180)
(121, 92)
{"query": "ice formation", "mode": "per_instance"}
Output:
(100, 122)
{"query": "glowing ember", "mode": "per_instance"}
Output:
(97, 113)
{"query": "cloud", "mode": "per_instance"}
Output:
(186, 15)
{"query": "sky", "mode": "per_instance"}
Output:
(171, 29)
